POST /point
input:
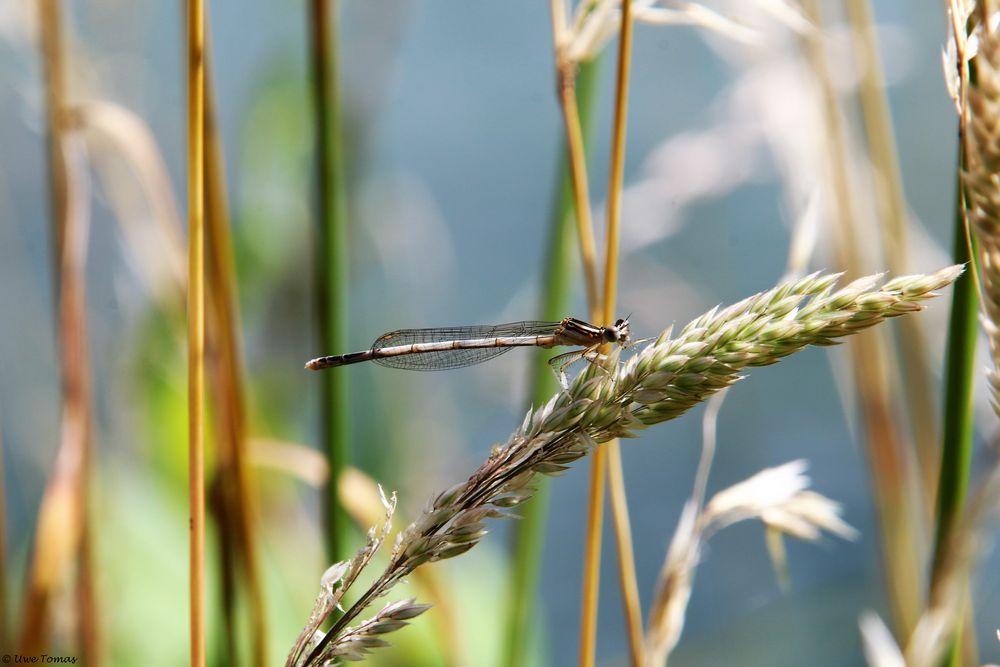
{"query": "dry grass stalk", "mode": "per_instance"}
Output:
(607, 460)
(895, 483)
(54, 62)
(61, 536)
(227, 375)
(566, 68)
(887, 182)
(661, 382)
(195, 42)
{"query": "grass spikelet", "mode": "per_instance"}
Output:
(334, 583)
(983, 159)
(601, 405)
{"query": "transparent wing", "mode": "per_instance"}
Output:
(445, 359)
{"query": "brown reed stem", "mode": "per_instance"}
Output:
(891, 208)
(578, 173)
(196, 323)
(616, 481)
(566, 88)
(77, 441)
(53, 62)
(231, 405)
(626, 557)
(592, 559)
(62, 518)
(62, 534)
(892, 468)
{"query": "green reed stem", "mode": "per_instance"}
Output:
(330, 260)
(957, 440)
(529, 542)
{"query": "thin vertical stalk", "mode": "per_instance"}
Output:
(600, 463)
(53, 62)
(565, 73)
(77, 382)
(88, 632)
(616, 480)
(592, 558)
(77, 436)
(62, 517)
(892, 474)
(528, 532)
(63, 533)
(626, 558)
(330, 259)
(891, 206)
(34, 614)
(196, 322)
(229, 381)
(616, 176)
(566, 82)
(957, 438)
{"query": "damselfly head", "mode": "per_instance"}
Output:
(617, 333)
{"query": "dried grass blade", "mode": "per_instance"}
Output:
(895, 483)
(887, 181)
(623, 539)
(61, 535)
(228, 382)
(195, 42)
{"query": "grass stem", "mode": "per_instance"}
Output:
(229, 381)
(957, 438)
(616, 481)
(891, 209)
(53, 61)
(607, 460)
(893, 481)
(592, 558)
(196, 322)
(529, 531)
(330, 260)
(63, 541)
(578, 170)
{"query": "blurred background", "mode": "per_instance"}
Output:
(452, 143)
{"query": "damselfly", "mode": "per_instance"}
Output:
(453, 347)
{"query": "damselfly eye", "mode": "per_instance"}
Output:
(621, 331)
(611, 334)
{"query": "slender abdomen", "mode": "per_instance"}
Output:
(338, 360)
